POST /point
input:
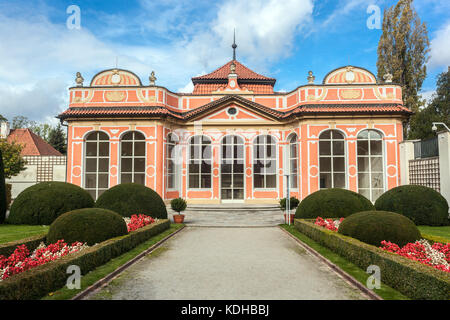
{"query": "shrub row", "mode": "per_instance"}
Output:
(6, 249)
(411, 278)
(37, 282)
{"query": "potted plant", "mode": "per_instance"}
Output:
(178, 205)
(293, 202)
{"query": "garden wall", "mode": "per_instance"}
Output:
(411, 278)
(38, 282)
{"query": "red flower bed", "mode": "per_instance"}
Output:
(330, 224)
(21, 259)
(138, 221)
(436, 255)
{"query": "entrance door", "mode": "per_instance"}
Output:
(232, 169)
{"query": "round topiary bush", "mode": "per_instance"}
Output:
(132, 198)
(372, 227)
(42, 203)
(90, 225)
(423, 205)
(332, 203)
(178, 205)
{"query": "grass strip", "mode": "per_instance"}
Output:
(102, 271)
(440, 234)
(385, 292)
(11, 232)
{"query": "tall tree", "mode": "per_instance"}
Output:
(57, 139)
(12, 159)
(403, 51)
(438, 110)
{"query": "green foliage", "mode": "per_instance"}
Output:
(42, 203)
(438, 110)
(403, 50)
(411, 278)
(423, 205)
(90, 225)
(57, 139)
(39, 281)
(332, 203)
(372, 227)
(3, 198)
(132, 198)
(293, 202)
(178, 204)
(12, 160)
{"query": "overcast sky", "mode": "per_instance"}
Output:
(180, 39)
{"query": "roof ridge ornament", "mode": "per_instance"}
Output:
(79, 80)
(388, 77)
(311, 77)
(234, 45)
(152, 78)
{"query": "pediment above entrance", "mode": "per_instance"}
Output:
(234, 109)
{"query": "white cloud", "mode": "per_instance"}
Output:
(42, 57)
(428, 95)
(440, 48)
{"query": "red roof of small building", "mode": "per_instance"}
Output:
(242, 72)
(33, 144)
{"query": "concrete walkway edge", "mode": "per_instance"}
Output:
(107, 279)
(348, 278)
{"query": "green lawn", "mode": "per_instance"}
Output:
(10, 232)
(102, 271)
(360, 275)
(441, 232)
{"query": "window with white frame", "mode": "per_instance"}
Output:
(200, 163)
(264, 162)
(293, 161)
(172, 141)
(132, 158)
(332, 159)
(370, 164)
(96, 173)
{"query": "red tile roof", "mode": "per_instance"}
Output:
(242, 71)
(33, 144)
(161, 111)
(207, 88)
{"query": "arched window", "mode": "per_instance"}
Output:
(264, 162)
(96, 173)
(132, 158)
(370, 164)
(172, 141)
(200, 162)
(332, 159)
(293, 161)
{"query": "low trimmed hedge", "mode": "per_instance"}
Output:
(411, 278)
(6, 249)
(38, 282)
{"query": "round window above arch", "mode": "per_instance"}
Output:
(232, 111)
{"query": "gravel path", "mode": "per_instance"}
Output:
(230, 264)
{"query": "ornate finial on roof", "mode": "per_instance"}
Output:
(234, 45)
(311, 77)
(232, 68)
(79, 80)
(152, 78)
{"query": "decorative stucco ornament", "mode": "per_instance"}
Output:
(152, 78)
(115, 78)
(311, 77)
(79, 80)
(349, 75)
